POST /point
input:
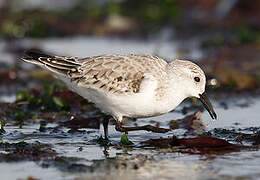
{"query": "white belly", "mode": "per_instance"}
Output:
(136, 105)
(130, 105)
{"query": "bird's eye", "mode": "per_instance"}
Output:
(197, 79)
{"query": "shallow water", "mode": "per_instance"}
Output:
(160, 164)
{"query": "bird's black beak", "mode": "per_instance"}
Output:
(205, 101)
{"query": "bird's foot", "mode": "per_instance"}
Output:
(155, 129)
(120, 128)
(103, 141)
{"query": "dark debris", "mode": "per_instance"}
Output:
(25, 151)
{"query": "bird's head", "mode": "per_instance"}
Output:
(192, 81)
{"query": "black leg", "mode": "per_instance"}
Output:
(105, 125)
(120, 128)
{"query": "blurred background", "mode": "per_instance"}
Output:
(222, 36)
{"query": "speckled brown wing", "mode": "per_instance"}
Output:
(118, 73)
(110, 73)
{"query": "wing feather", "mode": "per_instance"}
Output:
(120, 73)
(114, 73)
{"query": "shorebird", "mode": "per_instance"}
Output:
(133, 86)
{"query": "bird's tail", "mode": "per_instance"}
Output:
(34, 57)
(57, 64)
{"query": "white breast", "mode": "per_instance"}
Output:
(141, 104)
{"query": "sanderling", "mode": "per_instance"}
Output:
(128, 85)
